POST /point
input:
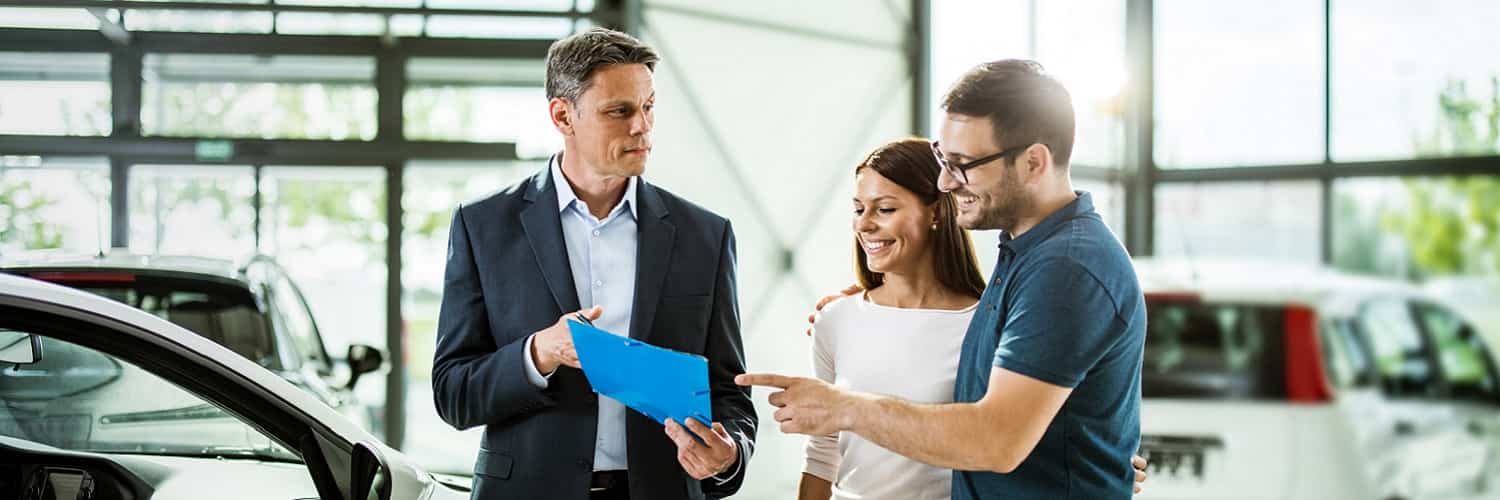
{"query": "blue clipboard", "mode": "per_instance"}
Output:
(659, 383)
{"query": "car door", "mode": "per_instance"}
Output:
(1473, 391)
(1414, 426)
(1362, 406)
(289, 421)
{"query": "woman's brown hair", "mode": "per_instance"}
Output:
(910, 164)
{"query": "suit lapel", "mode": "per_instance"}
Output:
(543, 227)
(653, 253)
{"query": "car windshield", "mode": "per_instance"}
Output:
(1197, 350)
(222, 313)
(79, 399)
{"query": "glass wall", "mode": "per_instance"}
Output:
(54, 203)
(1238, 86)
(1434, 91)
(203, 210)
(1242, 220)
(49, 93)
(266, 97)
(480, 100)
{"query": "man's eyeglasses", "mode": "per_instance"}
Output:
(960, 170)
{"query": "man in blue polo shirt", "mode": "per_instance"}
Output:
(1048, 387)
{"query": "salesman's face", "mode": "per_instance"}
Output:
(612, 120)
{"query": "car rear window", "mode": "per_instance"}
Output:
(1207, 350)
(220, 312)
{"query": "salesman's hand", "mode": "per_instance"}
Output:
(554, 346)
(806, 405)
(712, 456)
(813, 317)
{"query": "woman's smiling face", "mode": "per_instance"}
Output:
(893, 227)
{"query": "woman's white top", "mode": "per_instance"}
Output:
(908, 353)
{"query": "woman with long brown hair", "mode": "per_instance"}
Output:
(902, 335)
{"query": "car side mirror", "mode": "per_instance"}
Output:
(362, 359)
(19, 348)
(370, 474)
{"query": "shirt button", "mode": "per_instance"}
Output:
(598, 283)
(596, 232)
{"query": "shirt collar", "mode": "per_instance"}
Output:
(566, 196)
(1080, 206)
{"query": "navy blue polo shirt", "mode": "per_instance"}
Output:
(1063, 307)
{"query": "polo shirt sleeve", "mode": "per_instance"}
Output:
(1059, 324)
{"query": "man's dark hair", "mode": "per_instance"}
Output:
(1023, 102)
(571, 62)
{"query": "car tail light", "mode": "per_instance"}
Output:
(1306, 379)
(82, 277)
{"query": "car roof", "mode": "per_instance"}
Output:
(224, 270)
(1264, 282)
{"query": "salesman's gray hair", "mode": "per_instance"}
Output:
(571, 61)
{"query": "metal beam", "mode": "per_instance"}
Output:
(49, 40)
(1472, 165)
(1325, 234)
(277, 7)
(395, 343)
(256, 203)
(1094, 173)
(920, 60)
(119, 210)
(390, 91)
(34, 40)
(114, 31)
(1140, 187)
(1326, 222)
(252, 151)
(125, 91)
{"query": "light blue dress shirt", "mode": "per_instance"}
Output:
(602, 256)
(601, 253)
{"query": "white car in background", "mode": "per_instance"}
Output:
(1290, 382)
(1474, 297)
(102, 400)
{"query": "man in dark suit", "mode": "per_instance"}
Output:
(588, 231)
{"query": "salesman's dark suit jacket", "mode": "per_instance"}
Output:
(508, 276)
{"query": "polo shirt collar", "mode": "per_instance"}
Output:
(1080, 206)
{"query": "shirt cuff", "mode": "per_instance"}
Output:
(739, 464)
(532, 374)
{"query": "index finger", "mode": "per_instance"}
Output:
(706, 434)
(764, 380)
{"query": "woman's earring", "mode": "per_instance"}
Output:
(934, 226)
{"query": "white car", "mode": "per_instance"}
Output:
(101, 400)
(1288, 382)
(1475, 297)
